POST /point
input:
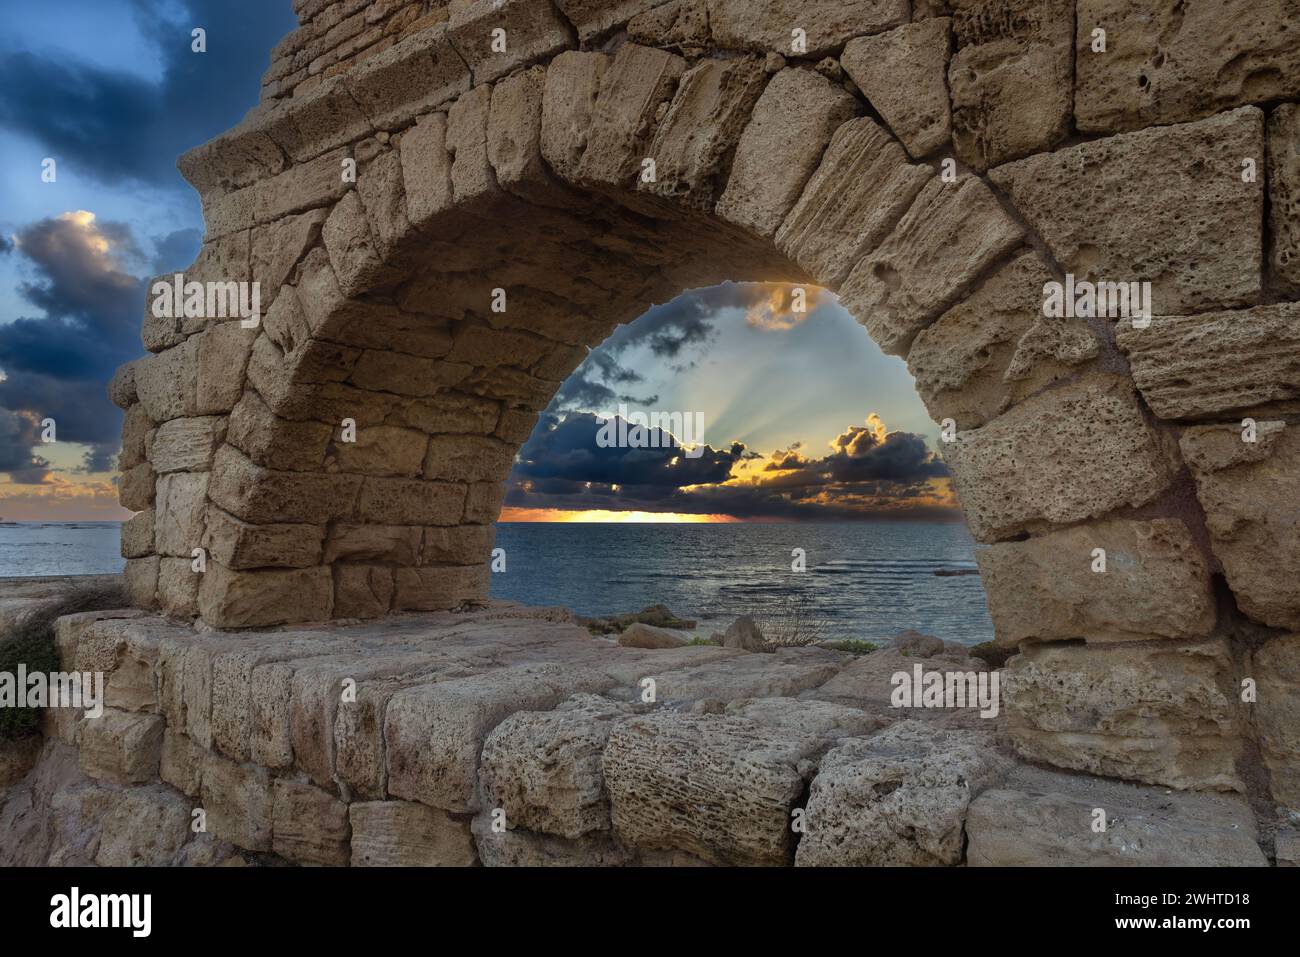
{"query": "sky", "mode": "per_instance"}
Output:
(803, 417)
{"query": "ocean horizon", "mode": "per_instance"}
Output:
(862, 580)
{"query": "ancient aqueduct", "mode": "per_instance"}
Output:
(934, 163)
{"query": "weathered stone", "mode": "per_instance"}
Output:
(381, 450)
(1167, 60)
(356, 261)
(434, 734)
(467, 458)
(995, 348)
(178, 523)
(1198, 239)
(144, 828)
(238, 803)
(951, 234)
(1249, 493)
(276, 443)
(262, 495)
(136, 489)
(121, 747)
(721, 788)
(278, 247)
(237, 544)
(415, 75)
(595, 18)
(403, 834)
(141, 580)
(178, 588)
(181, 763)
(796, 116)
(1038, 818)
(745, 25)
(1284, 195)
(568, 105)
(186, 445)
(137, 535)
(533, 31)
(394, 501)
(860, 191)
(1190, 367)
(514, 139)
(221, 360)
(379, 184)
(819, 719)
(516, 847)
(902, 74)
(897, 798)
(245, 599)
(679, 24)
(636, 83)
(363, 591)
(461, 545)
(1062, 456)
(1012, 78)
(545, 769)
(309, 826)
(732, 676)
(1154, 712)
(138, 433)
(398, 544)
(1276, 669)
(698, 134)
(166, 381)
(1155, 584)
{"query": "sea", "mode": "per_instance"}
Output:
(859, 580)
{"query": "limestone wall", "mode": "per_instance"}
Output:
(934, 163)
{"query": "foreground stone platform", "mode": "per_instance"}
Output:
(509, 736)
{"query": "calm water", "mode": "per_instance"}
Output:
(864, 580)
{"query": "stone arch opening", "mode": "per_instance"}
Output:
(610, 155)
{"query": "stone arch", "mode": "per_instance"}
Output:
(934, 163)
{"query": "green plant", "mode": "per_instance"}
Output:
(31, 643)
(794, 623)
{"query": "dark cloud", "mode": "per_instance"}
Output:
(175, 251)
(6, 245)
(56, 364)
(117, 127)
(869, 473)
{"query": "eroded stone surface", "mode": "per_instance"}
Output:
(1275, 666)
(1065, 455)
(1154, 583)
(901, 73)
(1248, 491)
(1197, 238)
(898, 798)
(1036, 816)
(1157, 712)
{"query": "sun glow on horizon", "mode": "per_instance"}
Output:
(610, 517)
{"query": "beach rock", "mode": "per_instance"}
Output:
(1249, 493)
(819, 719)
(916, 645)
(726, 675)
(1158, 712)
(719, 787)
(638, 635)
(744, 633)
(1040, 818)
(897, 798)
(1155, 584)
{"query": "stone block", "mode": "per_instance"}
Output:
(121, 747)
(238, 803)
(746, 25)
(309, 826)
(247, 599)
(404, 834)
(533, 31)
